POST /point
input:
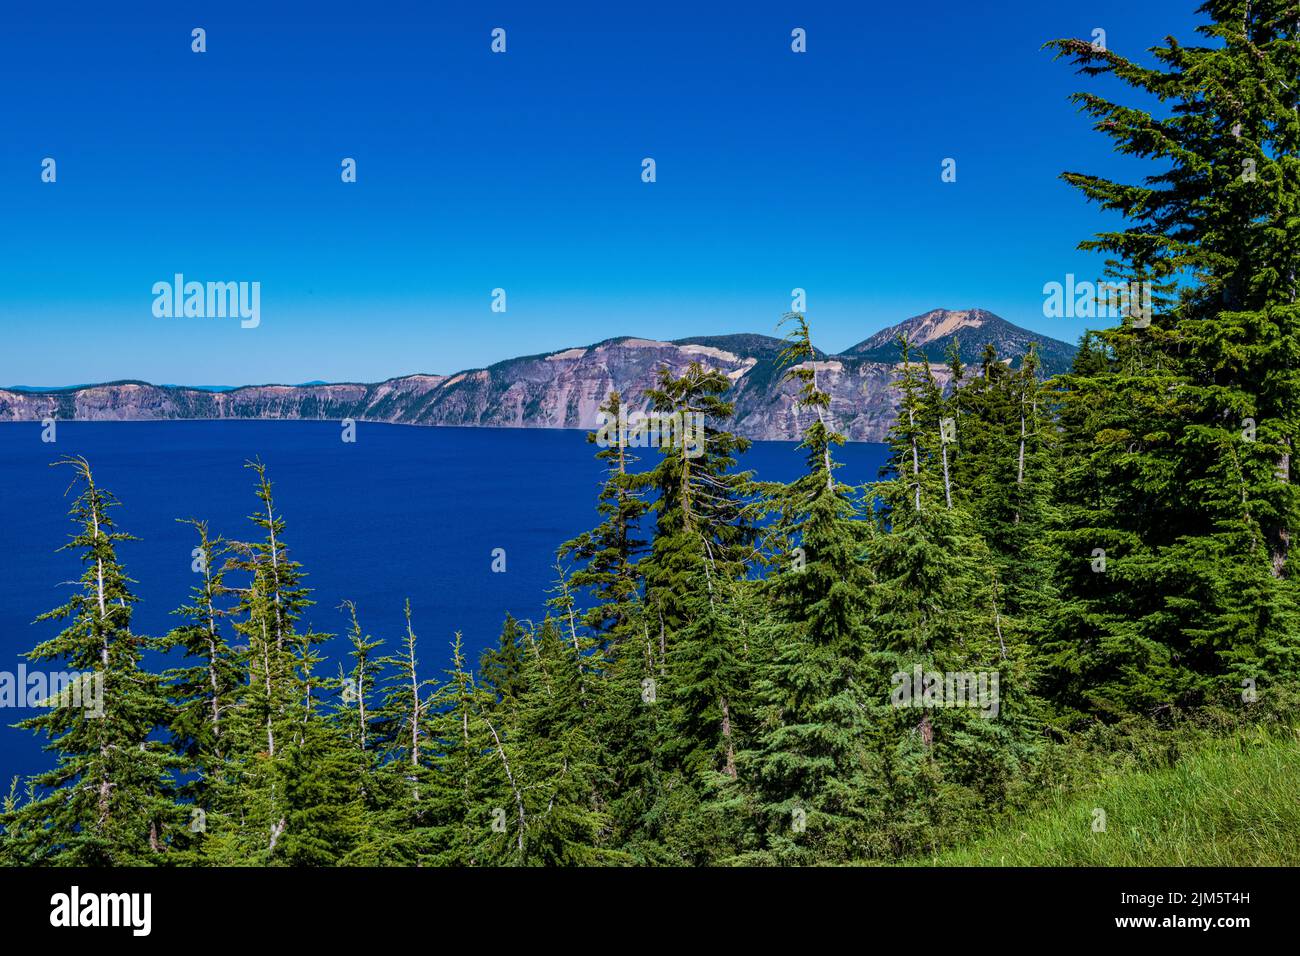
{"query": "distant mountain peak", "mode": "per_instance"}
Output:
(931, 332)
(930, 327)
(940, 323)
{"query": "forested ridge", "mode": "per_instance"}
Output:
(724, 671)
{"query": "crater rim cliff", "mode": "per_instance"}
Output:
(564, 388)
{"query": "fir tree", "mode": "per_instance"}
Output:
(610, 551)
(934, 609)
(471, 824)
(287, 752)
(704, 542)
(108, 802)
(808, 758)
(1192, 414)
(202, 693)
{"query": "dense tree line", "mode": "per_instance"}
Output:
(716, 678)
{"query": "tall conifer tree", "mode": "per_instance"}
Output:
(108, 800)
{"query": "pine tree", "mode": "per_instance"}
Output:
(631, 724)
(609, 552)
(934, 610)
(291, 766)
(1002, 444)
(202, 693)
(472, 826)
(400, 826)
(1193, 413)
(360, 684)
(624, 720)
(702, 517)
(502, 669)
(808, 755)
(555, 761)
(704, 543)
(109, 801)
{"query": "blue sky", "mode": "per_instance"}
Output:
(522, 171)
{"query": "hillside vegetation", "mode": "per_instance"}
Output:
(1235, 802)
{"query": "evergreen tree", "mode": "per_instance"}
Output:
(703, 525)
(934, 611)
(704, 543)
(610, 551)
(1194, 411)
(808, 756)
(555, 763)
(292, 765)
(360, 684)
(400, 802)
(203, 692)
(502, 669)
(108, 801)
(472, 826)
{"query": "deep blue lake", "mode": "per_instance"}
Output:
(402, 512)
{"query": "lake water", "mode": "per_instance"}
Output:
(402, 512)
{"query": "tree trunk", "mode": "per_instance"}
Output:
(519, 800)
(730, 769)
(916, 460)
(947, 486)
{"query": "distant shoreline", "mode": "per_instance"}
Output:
(363, 421)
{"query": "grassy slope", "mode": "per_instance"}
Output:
(1234, 803)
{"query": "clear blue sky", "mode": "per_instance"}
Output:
(522, 171)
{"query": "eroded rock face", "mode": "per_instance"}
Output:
(563, 389)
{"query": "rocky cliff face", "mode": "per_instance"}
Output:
(564, 389)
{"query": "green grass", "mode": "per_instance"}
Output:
(1235, 802)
